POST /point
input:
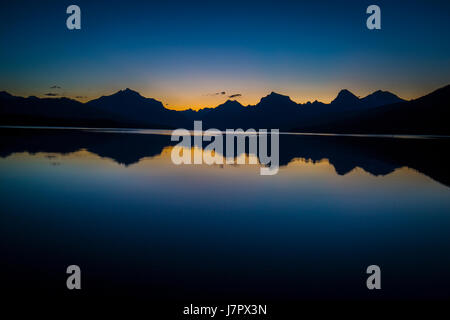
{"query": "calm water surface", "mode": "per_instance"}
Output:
(138, 225)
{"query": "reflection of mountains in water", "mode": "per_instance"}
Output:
(376, 155)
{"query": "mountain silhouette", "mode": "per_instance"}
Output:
(429, 114)
(130, 106)
(380, 98)
(51, 112)
(276, 99)
(230, 105)
(347, 99)
(379, 112)
(229, 112)
(279, 111)
(276, 111)
(126, 108)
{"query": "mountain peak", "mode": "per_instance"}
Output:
(379, 98)
(346, 93)
(274, 94)
(123, 96)
(128, 92)
(5, 94)
(230, 103)
(381, 92)
(346, 97)
(276, 97)
(125, 99)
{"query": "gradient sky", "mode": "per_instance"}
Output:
(183, 52)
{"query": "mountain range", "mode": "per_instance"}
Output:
(379, 112)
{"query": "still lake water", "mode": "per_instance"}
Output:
(113, 203)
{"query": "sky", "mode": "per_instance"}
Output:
(186, 53)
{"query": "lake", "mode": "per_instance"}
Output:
(112, 202)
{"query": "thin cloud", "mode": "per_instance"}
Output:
(235, 95)
(222, 93)
(55, 87)
(51, 94)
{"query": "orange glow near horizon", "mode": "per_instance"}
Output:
(195, 99)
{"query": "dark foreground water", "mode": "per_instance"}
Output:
(141, 227)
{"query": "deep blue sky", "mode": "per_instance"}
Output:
(182, 52)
